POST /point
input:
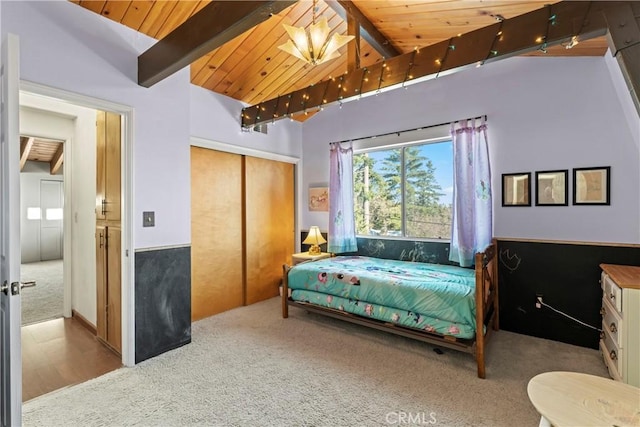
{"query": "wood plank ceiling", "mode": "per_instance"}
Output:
(252, 69)
(41, 150)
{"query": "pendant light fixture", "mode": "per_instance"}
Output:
(315, 46)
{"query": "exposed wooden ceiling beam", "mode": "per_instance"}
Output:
(25, 148)
(369, 31)
(536, 30)
(56, 161)
(624, 41)
(214, 25)
(353, 48)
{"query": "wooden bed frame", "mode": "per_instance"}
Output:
(486, 268)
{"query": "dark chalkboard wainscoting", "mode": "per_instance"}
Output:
(568, 277)
(163, 300)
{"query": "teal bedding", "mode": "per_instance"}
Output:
(432, 297)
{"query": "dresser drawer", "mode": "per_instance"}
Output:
(612, 293)
(611, 352)
(612, 366)
(613, 323)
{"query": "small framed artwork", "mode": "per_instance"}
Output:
(592, 186)
(551, 188)
(516, 189)
(319, 199)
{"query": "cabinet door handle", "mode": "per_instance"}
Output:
(601, 335)
(613, 327)
(104, 206)
(613, 355)
(603, 311)
(612, 296)
(101, 242)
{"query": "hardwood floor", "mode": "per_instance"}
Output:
(59, 353)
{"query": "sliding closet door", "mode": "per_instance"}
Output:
(216, 232)
(269, 196)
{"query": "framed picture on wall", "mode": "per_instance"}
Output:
(592, 186)
(551, 188)
(516, 189)
(319, 199)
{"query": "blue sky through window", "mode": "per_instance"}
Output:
(441, 155)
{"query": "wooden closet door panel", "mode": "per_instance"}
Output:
(216, 232)
(114, 292)
(269, 223)
(112, 165)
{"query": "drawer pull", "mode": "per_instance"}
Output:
(603, 311)
(613, 327)
(612, 296)
(601, 335)
(613, 355)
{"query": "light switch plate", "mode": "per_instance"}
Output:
(148, 219)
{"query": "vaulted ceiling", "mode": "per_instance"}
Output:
(251, 68)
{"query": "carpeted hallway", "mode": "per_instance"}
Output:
(45, 300)
(250, 367)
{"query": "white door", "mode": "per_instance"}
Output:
(10, 346)
(51, 202)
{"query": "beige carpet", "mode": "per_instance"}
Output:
(44, 301)
(250, 367)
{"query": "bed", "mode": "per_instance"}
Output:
(445, 305)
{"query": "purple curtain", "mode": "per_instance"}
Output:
(471, 228)
(342, 225)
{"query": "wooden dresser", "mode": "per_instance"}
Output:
(620, 336)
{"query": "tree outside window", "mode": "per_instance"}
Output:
(405, 191)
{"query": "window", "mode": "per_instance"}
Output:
(33, 213)
(404, 191)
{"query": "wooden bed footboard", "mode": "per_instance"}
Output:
(486, 273)
(486, 266)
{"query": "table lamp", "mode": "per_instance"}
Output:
(315, 239)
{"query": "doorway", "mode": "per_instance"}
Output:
(41, 228)
(62, 351)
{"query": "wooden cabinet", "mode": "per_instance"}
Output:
(108, 193)
(620, 336)
(108, 285)
(108, 230)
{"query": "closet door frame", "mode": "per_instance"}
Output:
(234, 149)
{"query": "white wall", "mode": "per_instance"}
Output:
(68, 47)
(628, 107)
(51, 118)
(217, 118)
(543, 114)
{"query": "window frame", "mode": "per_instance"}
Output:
(433, 135)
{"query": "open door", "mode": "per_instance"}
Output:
(10, 346)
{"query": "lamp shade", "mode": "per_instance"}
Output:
(314, 237)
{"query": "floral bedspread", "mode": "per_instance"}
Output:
(436, 298)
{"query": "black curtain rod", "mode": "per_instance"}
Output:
(409, 130)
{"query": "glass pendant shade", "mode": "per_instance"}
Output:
(314, 47)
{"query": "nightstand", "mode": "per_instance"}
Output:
(304, 256)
